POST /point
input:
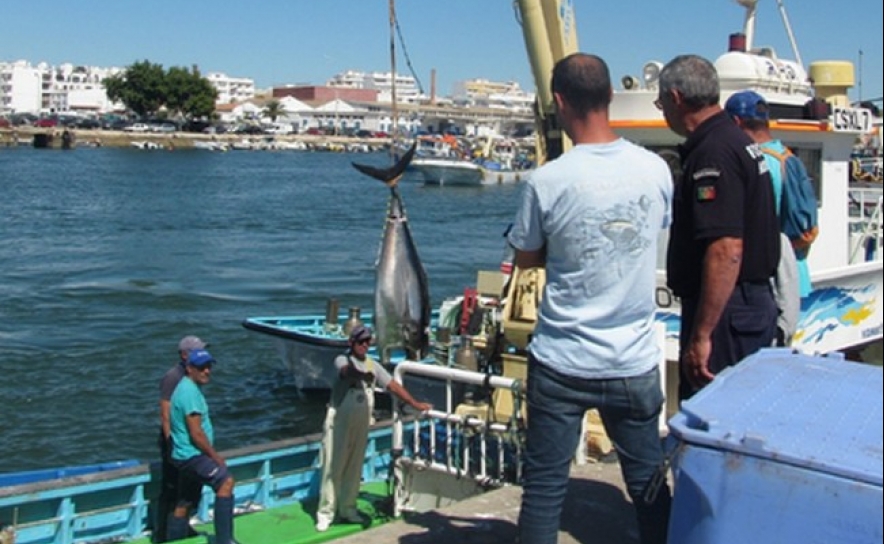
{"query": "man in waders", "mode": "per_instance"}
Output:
(346, 428)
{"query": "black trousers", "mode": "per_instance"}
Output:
(168, 489)
(748, 323)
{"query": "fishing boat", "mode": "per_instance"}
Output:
(496, 161)
(464, 449)
(412, 464)
(40, 475)
(466, 173)
(308, 344)
(844, 310)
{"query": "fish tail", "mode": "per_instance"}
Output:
(390, 176)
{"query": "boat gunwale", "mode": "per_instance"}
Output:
(254, 324)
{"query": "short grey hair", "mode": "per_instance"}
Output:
(694, 78)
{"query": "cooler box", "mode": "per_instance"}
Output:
(781, 448)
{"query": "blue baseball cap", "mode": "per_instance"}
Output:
(200, 357)
(748, 105)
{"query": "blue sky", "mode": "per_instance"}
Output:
(279, 42)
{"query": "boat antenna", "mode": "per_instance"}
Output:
(789, 32)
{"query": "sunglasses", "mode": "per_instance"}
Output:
(364, 342)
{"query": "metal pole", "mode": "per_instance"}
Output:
(860, 87)
(789, 33)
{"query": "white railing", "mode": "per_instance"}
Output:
(481, 449)
(865, 223)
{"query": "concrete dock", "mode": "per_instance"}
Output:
(597, 509)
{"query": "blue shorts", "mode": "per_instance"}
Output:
(196, 472)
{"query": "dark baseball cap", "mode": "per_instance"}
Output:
(360, 333)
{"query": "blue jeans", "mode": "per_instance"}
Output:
(557, 404)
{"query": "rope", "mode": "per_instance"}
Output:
(407, 58)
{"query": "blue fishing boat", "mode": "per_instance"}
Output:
(31, 476)
(411, 464)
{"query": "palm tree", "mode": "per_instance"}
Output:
(273, 109)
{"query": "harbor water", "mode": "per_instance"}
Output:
(109, 256)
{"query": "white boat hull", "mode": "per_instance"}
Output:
(844, 312)
(456, 172)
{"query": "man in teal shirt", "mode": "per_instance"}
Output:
(193, 453)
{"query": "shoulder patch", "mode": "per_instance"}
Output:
(704, 173)
(705, 193)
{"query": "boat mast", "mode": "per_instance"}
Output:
(394, 110)
(749, 22)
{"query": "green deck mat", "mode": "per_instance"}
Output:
(295, 523)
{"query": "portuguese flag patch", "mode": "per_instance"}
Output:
(705, 193)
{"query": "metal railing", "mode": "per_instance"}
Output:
(460, 444)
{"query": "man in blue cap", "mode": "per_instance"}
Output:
(169, 473)
(751, 113)
(194, 454)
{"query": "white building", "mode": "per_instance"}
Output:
(232, 89)
(492, 94)
(407, 91)
(67, 87)
(49, 89)
(20, 85)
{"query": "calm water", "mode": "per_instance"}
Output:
(109, 256)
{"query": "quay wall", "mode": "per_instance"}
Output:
(176, 140)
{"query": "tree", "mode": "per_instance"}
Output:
(141, 87)
(145, 88)
(273, 109)
(188, 94)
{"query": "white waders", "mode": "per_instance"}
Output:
(343, 450)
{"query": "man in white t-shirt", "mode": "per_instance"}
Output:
(592, 218)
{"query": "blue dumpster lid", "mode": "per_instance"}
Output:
(819, 412)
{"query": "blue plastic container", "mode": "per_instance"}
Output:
(781, 448)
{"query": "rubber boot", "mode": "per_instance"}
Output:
(224, 520)
(177, 528)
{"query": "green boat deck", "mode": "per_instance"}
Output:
(295, 523)
(597, 509)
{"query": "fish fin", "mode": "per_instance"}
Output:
(390, 176)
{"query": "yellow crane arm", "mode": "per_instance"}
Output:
(550, 33)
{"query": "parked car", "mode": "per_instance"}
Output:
(137, 127)
(164, 127)
(46, 122)
(280, 129)
(249, 129)
(87, 123)
(215, 129)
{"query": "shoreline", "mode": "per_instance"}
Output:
(24, 136)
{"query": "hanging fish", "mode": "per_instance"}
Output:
(401, 297)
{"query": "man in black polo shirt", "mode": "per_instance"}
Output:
(724, 244)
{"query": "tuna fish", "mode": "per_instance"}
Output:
(401, 297)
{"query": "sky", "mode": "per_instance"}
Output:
(280, 42)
